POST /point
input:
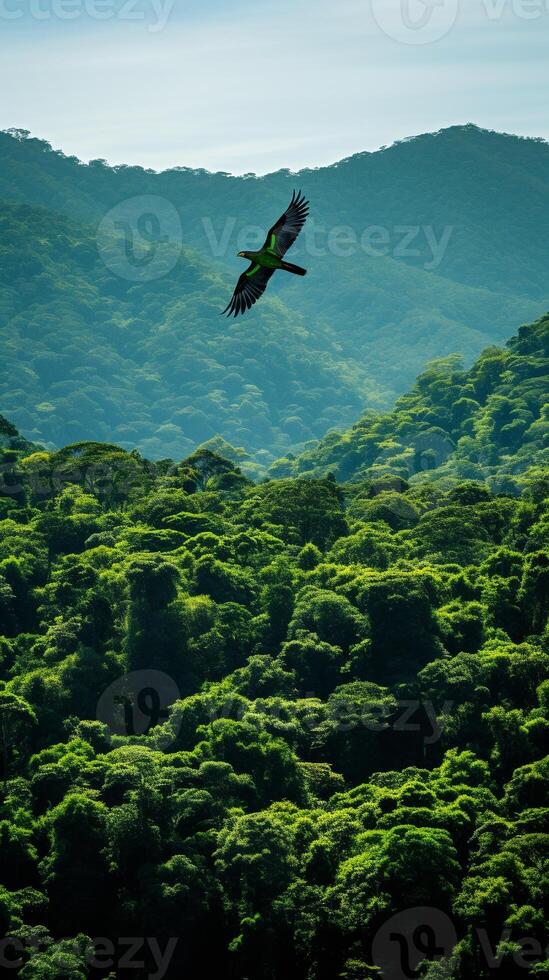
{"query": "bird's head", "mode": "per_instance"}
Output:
(242, 255)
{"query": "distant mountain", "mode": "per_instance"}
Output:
(454, 229)
(491, 189)
(489, 423)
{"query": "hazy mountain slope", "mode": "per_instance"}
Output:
(152, 365)
(391, 319)
(10, 438)
(488, 423)
(149, 362)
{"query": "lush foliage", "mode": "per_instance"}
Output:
(489, 423)
(358, 706)
(148, 363)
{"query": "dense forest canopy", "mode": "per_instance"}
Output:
(433, 246)
(291, 728)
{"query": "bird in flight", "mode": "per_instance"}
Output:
(253, 283)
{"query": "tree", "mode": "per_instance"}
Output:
(305, 510)
(16, 720)
(317, 664)
(75, 869)
(157, 632)
(329, 615)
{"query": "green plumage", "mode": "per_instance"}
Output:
(265, 262)
(265, 258)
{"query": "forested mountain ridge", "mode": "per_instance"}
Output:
(281, 728)
(492, 188)
(488, 423)
(168, 373)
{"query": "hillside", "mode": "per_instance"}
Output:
(170, 373)
(275, 727)
(488, 423)
(88, 354)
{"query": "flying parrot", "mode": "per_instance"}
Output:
(253, 283)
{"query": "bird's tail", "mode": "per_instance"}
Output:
(296, 269)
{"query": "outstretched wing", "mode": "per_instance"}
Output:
(284, 233)
(251, 285)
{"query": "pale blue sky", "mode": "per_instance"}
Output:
(253, 85)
